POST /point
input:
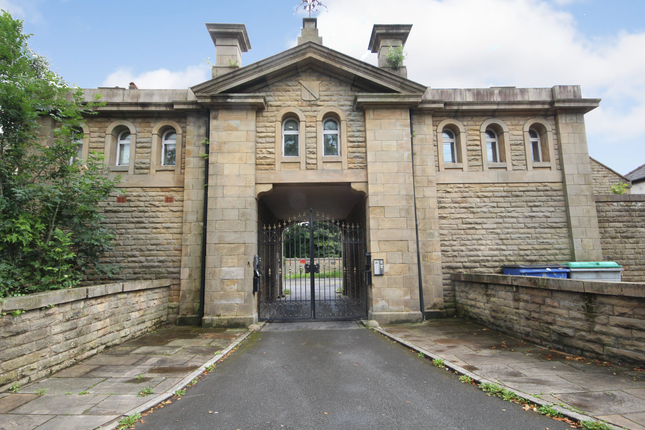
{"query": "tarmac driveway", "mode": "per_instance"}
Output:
(335, 376)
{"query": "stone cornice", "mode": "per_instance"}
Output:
(386, 100)
(254, 101)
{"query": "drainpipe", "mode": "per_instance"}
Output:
(416, 220)
(202, 288)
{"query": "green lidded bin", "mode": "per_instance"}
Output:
(595, 270)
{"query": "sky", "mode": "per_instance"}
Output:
(597, 44)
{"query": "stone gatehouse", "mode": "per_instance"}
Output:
(438, 180)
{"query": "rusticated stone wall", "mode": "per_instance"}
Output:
(595, 319)
(621, 219)
(485, 226)
(604, 178)
(57, 329)
(288, 93)
(148, 235)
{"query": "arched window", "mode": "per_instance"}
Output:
(331, 140)
(450, 153)
(77, 140)
(123, 148)
(291, 138)
(536, 146)
(492, 146)
(169, 148)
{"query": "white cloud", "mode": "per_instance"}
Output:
(11, 8)
(160, 78)
(526, 43)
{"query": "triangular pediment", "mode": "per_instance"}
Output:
(308, 56)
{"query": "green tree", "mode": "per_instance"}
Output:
(50, 225)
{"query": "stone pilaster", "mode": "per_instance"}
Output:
(232, 219)
(578, 187)
(192, 224)
(391, 233)
(428, 214)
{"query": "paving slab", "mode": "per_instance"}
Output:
(75, 371)
(111, 379)
(604, 403)
(60, 404)
(118, 371)
(79, 422)
(157, 350)
(117, 404)
(171, 360)
(10, 402)
(125, 385)
(61, 385)
(23, 422)
(106, 360)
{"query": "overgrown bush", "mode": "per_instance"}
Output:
(50, 226)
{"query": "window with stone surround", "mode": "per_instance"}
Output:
(80, 137)
(120, 146)
(291, 138)
(331, 129)
(331, 138)
(496, 153)
(123, 148)
(169, 148)
(165, 154)
(451, 147)
(538, 140)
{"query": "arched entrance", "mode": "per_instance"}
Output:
(312, 264)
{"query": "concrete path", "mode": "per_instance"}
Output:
(607, 391)
(335, 376)
(101, 390)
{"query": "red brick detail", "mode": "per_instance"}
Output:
(170, 199)
(120, 199)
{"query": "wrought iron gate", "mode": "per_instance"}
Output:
(312, 267)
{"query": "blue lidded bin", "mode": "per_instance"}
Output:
(546, 271)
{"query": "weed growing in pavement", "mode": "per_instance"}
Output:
(549, 411)
(69, 393)
(497, 391)
(210, 368)
(145, 392)
(438, 362)
(15, 387)
(593, 425)
(466, 379)
(180, 393)
(420, 354)
(82, 393)
(139, 378)
(129, 421)
(41, 391)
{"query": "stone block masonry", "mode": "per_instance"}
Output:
(484, 226)
(148, 235)
(601, 320)
(56, 329)
(621, 220)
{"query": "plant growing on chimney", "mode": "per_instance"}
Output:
(394, 57)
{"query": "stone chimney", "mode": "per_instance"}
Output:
(309, 31)
(230, 41)
(386, 36)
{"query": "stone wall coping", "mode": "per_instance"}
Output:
(620, 198)
(56, 297)
(608, 288)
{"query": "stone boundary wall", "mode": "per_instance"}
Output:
(621, 220)
(601, 320)
(57, 329)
